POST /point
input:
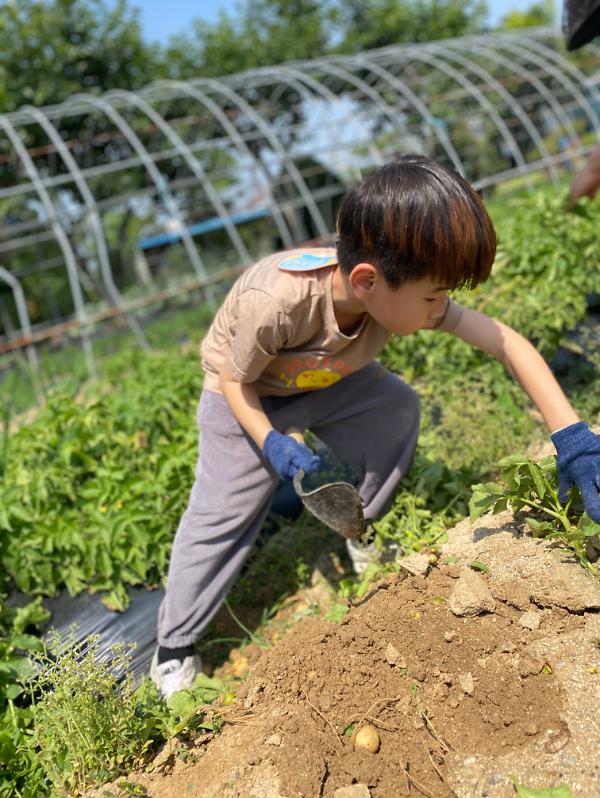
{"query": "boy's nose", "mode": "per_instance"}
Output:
(438, 308)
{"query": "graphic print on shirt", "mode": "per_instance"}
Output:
(311, 372)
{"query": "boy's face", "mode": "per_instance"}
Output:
(404, 310)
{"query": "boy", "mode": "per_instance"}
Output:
(294, 345)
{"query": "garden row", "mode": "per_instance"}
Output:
(93, 487)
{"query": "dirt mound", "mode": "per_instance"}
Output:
(484, 669)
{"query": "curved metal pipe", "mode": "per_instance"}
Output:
(478, 70)
(90, 204)
(286, 161)
(549, 57)
(61, 238)
(192, 162)
(559, 112)
(25, 321)
(399, 85)
(240, 144)
(159, 181)
(424, 56)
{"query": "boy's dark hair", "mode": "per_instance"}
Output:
(415, 218)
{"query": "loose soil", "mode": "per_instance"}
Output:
(471, 677)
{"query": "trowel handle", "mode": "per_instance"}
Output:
(295, 433)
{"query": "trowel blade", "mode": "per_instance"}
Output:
(336, 504)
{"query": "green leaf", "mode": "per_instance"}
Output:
(477, 565)
(588, 527)
(562, 791)
(336, 612)
(538, 479)
(183, 703)
(539, 527)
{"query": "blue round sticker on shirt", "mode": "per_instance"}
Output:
(307, 262)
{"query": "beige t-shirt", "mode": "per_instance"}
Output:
(277, 329)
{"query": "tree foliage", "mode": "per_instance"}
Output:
(541, 13)
(365, 24)
(265, 32)
(50, 50)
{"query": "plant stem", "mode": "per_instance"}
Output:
(559, 516)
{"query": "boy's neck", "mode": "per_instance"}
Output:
(348, 310)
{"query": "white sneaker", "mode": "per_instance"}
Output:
(174, 675)
(363, 554)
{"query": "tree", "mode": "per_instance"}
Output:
(366, 24)
(50, 50)
(266, 32)
(261, 33)
(537, 14)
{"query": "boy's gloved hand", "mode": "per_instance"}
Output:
(578, 463)
(287, 455)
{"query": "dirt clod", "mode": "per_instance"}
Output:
(355, 791)
(471, 595)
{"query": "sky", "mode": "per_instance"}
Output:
(160, 20)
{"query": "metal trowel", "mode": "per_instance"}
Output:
(336, 504)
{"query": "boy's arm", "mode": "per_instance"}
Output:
(245, 406)
(283, 452)
(577, 447)
(523, 361)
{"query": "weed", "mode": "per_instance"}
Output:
(530, 488)
(90, 724)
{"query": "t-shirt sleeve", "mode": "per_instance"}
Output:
(262, 329)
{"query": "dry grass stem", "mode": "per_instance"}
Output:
(322, 716)
(416, 784)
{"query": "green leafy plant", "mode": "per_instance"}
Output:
(94, 487)
(20, 770)
(530, 488)
(89, 722)
(561, 791)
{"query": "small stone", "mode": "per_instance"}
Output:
(530, 620)
(354, 791)
(471, 595)
(416, 564)
(483, 662)
(446, 678)
(394, 657)
(453, 571)
(450, 636)
(508, 647)
(568, 761)
(274, 739)
(466, 682)
(442, 691)
(529, 666)
(530, 728)
(418, 672)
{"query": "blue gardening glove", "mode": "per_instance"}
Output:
(287, 455)
(578, 463)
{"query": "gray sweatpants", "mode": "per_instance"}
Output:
(370, 420)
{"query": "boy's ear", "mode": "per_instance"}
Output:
(362, 279)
